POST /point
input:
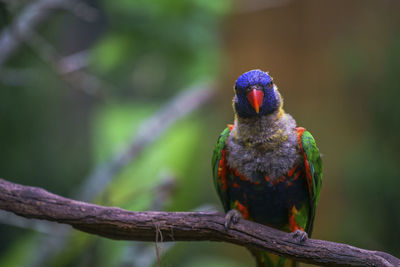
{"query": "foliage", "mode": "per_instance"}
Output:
(148, 51)
(374, 163)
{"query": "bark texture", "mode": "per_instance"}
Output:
(116, 223)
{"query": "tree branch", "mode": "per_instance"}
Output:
(116, 223)
(150, 130)
(12, 36)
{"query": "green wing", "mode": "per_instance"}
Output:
(314, 174)
(217, 156)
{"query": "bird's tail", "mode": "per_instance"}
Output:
(264, 259)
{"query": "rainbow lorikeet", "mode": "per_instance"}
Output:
(265, 168)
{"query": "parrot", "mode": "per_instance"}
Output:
(265, 168)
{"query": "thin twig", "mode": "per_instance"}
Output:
(20, 30)
(152, 128)
(139, 253)
(77, 78)
(74, 62)
(82, 10)
(119, 224)
(23, 30)
(158, 234)
(48, 246)
(178, 107)
(251, 6)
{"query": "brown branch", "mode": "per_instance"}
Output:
(149, 131)
(116, 223)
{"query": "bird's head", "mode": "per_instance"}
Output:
(255, 94)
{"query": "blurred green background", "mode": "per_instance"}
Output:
(79, 89)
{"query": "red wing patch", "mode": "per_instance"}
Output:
(296, 176)
(292, 220)
(280, 180)
(291, 172)
(300, 131)
(222, 171)
(242, 177)
(236, 173)
(242, 209)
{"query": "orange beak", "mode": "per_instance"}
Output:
(255, 97)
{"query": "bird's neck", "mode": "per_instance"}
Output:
(270, 128)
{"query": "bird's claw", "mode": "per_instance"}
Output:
(300, 235)
(232, 217)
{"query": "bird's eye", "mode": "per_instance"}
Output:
(270, 84)
(238, 89)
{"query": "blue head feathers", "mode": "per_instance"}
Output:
(251, 78)
(255, 94)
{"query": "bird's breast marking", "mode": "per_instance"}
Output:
(222, 171)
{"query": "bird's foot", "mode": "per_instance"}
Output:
(300, 235)
(232, 217)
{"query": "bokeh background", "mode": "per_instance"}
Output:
(91, 80)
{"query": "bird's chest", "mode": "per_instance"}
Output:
(270, 201)
(272, 158)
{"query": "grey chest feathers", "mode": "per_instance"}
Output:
(263, 146)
